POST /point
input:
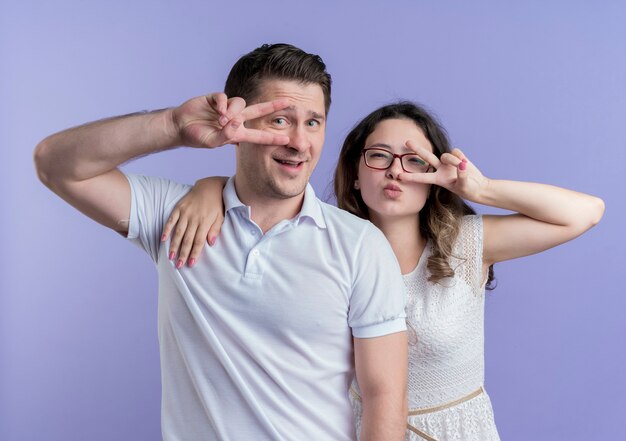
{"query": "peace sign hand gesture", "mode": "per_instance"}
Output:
(215, 120)
(453, 171)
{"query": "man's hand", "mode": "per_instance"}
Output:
(215, 120)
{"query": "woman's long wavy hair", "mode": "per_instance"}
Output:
(440, 218)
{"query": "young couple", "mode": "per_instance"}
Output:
(262, 333)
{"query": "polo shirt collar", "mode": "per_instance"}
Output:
(310, 207)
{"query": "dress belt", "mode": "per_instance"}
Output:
(425, 410)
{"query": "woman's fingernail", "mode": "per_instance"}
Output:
(179, 263)
(223, 121)
(192, 262)
(163, 237)
(212, 240)
(463, 165)
(172, 255)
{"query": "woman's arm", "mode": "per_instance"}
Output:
(198, 217)
(547, 216)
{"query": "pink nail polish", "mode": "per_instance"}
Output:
(212, 240)
(172, 255)
(192, 262)
(163, 237)
(463, 165)
(179, 263)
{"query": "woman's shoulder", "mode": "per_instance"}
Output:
(468, 240)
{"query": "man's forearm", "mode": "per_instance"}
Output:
(95, 148)
(384, 418)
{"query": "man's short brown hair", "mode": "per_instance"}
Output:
(276, 61)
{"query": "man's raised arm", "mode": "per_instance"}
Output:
(80, 164)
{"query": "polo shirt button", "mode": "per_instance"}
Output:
(253, 232)
(255, 252)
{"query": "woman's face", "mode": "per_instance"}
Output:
(385, 196)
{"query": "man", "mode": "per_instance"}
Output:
(259, 340)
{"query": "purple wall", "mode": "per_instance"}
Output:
(531, 90)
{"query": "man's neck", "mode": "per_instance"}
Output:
(270, 212)
(266, 211)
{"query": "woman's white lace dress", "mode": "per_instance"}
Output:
(446, 346)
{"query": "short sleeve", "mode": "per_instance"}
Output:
(152, 200)
(468, 251)
(377, 303)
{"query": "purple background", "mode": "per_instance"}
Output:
(533, 91)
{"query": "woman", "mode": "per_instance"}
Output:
(397, 170)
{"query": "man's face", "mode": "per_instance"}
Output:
(282, 172)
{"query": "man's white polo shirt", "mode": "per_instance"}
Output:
(256, 338)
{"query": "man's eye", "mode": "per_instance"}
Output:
(313, 123)
(280, 121)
